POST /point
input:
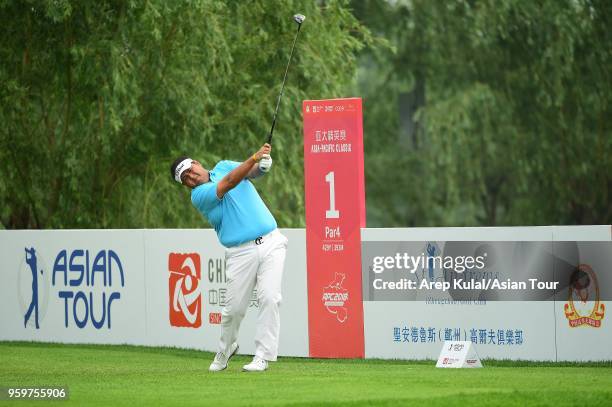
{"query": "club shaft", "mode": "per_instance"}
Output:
(280, 95)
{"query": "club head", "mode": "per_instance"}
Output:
(299, 18)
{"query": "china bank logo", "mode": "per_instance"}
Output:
(583, 307)
(335, 297)
(184, 290)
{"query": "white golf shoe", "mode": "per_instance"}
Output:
(257, 365)
(220, 362)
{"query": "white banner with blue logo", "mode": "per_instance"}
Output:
(167, 288)
(73, 286)
(142, 287)
(554, 330)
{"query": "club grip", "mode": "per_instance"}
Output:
(272, 130)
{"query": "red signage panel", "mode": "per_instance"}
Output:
(335, 212)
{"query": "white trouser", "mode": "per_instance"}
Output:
(249, 264)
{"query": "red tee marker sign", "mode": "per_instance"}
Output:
(335, 212)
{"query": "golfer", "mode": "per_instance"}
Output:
(255, 249)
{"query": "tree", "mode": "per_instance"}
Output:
(99, 97)
(514, 128)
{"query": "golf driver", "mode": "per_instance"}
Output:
(299, 19)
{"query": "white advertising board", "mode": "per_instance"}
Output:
(172, 254)
(529, 330)
(502, 330)
(89, 286)
(120, 287)
(583, 325)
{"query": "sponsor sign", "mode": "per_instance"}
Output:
(86, 284)
(114, 287)
(404, 322)
(458, 354)
(187, 289)
(583, 307)
(80, 273)
(72, 286)
(335, 212)
(582, 327)
(185, 305)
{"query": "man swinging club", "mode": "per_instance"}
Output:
(255, 249)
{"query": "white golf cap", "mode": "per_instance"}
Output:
(181, 168)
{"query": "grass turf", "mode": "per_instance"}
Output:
(126, 375)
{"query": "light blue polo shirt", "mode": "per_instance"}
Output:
(240, 216)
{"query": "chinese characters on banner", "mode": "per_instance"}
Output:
(335, 212)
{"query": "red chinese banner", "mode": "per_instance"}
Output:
(335, 212)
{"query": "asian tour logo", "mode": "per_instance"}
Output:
(184, 290)
(90, 281)
(33, 288)
(583, 307)
(86, 284)
(335, 297)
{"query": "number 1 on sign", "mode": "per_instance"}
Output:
(332, 212)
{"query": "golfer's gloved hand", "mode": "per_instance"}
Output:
(265, 163)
